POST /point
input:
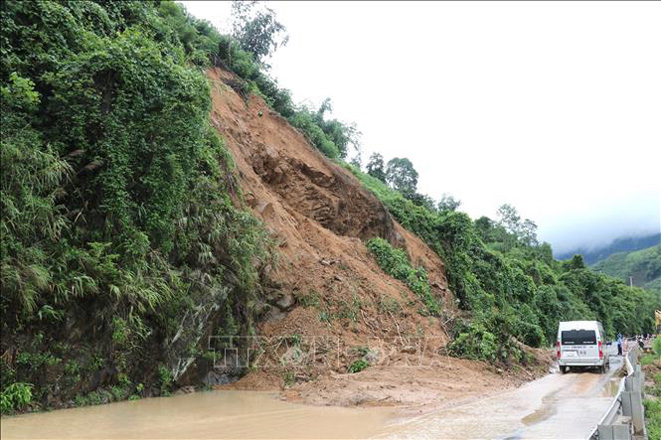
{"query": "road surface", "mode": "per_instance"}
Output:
(557, 406)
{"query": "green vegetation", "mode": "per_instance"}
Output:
(122, 232)
(15, 397)
(396, 263)
(509, 281)
(643, 265)
(652, 363)
(358, 366)
(256, 33)
(650, 358)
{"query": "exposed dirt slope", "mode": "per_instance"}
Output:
(329, 300)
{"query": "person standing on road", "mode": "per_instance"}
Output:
(619, 344)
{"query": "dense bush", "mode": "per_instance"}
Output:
(15, 397)
(121, 236)
(474, 341)
(396, 263)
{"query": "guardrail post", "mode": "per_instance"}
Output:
(637, 413)
(614, 432)
(626, 403)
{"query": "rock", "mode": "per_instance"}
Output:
(410, 349)
(265, 208)
(338, 278)
(215, 378)
(275, 315)
(286, 302)
(372, 357)
(250, 199)
(185, 390)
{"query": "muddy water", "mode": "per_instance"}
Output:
(214, 414)
(555, 407)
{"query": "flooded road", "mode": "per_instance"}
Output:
(555, 407)
(213, 414)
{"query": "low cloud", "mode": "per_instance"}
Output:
(632, 217)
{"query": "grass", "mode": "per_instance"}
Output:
(653, 404)
(358, 365)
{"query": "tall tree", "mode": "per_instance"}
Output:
(448, 203)
(524, 231)
(401, 176)
(257, 30)
(376, 167)
(509, 218)
(528, 232)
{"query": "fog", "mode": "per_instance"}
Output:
(551, 107)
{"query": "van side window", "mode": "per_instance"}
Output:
(579, 337)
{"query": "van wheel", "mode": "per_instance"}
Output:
(563, 370)
(603, 369)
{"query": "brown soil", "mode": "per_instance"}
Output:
(328, 300)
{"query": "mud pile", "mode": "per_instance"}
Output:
(329, 303)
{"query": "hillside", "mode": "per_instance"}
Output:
(644, 266)
(623, 244)
(326, 285)
(172, 220)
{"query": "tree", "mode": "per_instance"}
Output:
(376, 168)
(509, 218)
(257, 30)
(576, 262)
(423, 200)
(401, 176)
(341, 134)
(357, 160)
(448, 203)
(528, 232)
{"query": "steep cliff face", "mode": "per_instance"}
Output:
(325, 282)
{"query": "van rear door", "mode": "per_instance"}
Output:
(579, 344)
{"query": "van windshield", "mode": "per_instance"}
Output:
(579, 337)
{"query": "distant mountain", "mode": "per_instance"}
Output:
(643, 266)
(624, 244)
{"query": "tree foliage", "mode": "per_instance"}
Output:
(256, 29)
(402, 176)
(122, 232)
(510, 283)
(448, 203)
(376, 167)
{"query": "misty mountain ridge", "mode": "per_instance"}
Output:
(621, 244)
(641, 268)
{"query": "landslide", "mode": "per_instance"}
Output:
(326, 287)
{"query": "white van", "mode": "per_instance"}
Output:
(582, 344)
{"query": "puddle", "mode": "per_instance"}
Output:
(611, 387)
(545, 412)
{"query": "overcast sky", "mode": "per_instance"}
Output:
(554, 107)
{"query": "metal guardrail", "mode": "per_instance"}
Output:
(624, 417)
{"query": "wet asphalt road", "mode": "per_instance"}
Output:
(557, 406)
